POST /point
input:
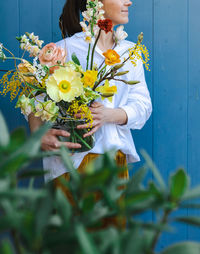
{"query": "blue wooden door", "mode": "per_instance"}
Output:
(171, 29)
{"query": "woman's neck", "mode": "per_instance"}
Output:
(105, 41)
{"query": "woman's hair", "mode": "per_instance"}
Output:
(70, 17)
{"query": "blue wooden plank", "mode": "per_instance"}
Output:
(170, 93)
(57, 7)
(194, 104)
(9, 27)
(141, 20)
(35, 16)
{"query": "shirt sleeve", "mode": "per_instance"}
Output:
(138, 107)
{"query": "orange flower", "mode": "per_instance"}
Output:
(111, 57)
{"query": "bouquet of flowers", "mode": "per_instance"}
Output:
(58, 91)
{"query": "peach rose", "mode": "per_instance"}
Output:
(52, 55)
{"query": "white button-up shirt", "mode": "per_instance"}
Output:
(134, 99)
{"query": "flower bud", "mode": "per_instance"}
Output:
(118, 66)
(121, 73)
(133, 82)
(140, 37)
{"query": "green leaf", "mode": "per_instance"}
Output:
(195, 221)
(4, 134)
(85, 241)
(43, 214)
(6, 247)
(32, 146)
(13, 163)
(110, 242)
(35, 87)
(154, 170)
(178, 184)
(68, 164)
(183, 248)
(64, 207)
(75, 59)
(134, 236)
(135, 182)
(66, 158)
(137, 198)
(192, 193)
(23, 154)
(18, 137)
(88, 203)
(21, 193)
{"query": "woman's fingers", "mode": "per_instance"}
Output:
(54, 146)
(79, 116)
(96, 104)
(71, 145)
(92, 131)
(88, 125)
(56, 132)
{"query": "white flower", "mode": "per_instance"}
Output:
(27, 105)
(23, 46)
(84, 26)
(2, 55)
(101, 13)
(93, 8)
(33, 37)
(33, 50)
(39, 43)
(24, 39)
(99, 5)
(88, 39)
(120, 34)
(40, 72)
(86, 16)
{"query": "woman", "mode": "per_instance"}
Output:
(131, 106)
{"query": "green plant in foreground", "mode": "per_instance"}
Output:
(43, 221)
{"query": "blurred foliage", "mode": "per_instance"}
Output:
(43, 220)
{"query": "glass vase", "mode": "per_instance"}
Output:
(76, 136)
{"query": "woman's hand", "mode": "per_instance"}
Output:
(102, 115)
(50, 141)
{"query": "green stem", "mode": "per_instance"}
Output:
(85, 143)
(92, 58)
(102, 79)
(16, 241)
(15, 58)
(88, 56)
(102, 70)
(158, 233)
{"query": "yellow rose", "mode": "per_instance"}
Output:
(26, 68)
(111, 57)
(90, 77)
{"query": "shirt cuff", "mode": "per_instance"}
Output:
(131, 116)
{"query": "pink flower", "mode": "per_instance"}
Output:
(51, 55)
